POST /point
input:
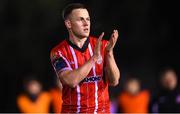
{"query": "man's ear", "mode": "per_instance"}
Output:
(67, 24)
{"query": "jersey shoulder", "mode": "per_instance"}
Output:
(58, 49)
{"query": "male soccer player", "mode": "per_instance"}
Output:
(85, 65)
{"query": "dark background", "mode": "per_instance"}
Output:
(149, 33)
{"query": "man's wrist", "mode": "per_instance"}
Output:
(94, 58)
(109, 52)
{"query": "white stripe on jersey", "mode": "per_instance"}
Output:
(96, 83)
(78, 88)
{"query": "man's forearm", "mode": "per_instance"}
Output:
(74, 77)
(112, 71)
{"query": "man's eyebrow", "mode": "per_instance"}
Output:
(84, 17)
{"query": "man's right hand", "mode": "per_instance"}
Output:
(97, 49)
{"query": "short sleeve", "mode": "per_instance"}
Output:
(59, 62)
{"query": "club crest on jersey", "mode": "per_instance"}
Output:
(53, 56)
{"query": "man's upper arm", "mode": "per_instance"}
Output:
(59, 62)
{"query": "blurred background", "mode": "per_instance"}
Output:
(31, 28)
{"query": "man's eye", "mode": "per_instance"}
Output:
(81, 19)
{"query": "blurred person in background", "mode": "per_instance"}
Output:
(33, 99)
(168, 98)
(56, 94)
(79, 62)
(132, 99)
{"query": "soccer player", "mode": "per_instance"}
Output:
(85, 65)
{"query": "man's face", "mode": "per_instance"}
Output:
(169, 80)
(79, 23)
(133, 87)
(34, 87)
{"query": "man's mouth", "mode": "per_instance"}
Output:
(86, 29)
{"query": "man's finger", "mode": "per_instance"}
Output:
(101, 36)
(115, 33)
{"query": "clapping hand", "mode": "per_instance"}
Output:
(112, 41)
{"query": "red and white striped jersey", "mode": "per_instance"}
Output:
(91, 95)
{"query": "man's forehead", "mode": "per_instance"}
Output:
(80, 13)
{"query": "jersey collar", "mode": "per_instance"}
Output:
(84, 47)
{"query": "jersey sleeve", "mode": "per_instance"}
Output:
(59, 62)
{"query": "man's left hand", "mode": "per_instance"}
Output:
(112, 41)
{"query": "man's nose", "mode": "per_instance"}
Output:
(85, 23)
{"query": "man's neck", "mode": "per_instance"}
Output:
(77, 41)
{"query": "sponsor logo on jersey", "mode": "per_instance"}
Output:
(92, 79)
